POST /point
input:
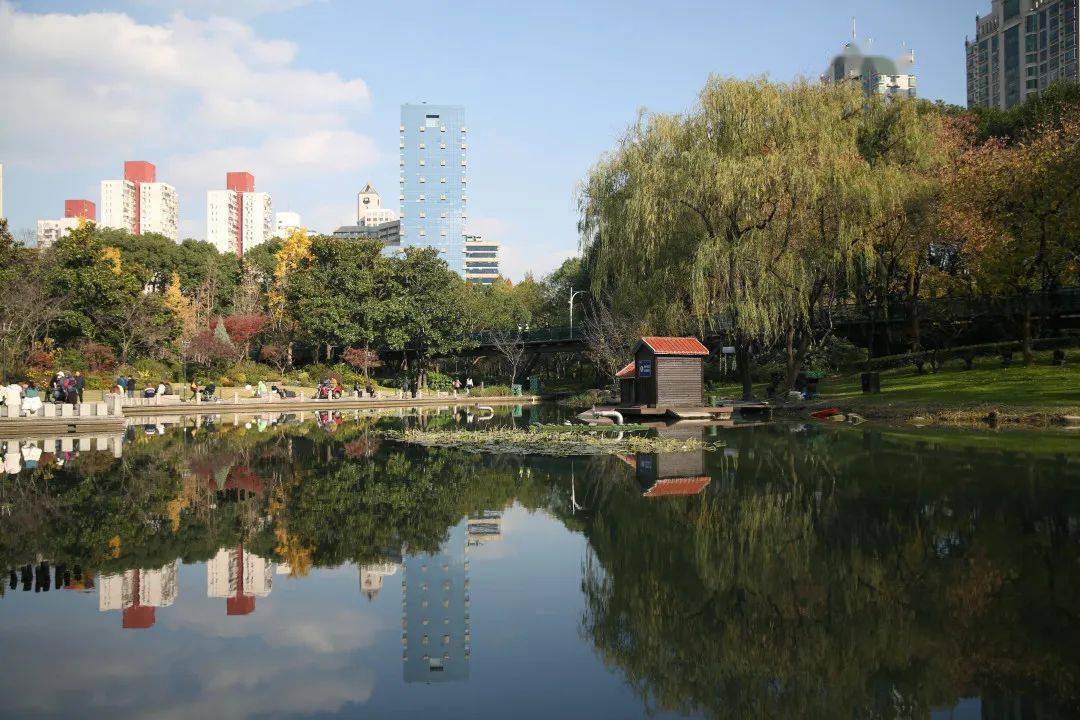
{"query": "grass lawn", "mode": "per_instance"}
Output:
(1018, 393)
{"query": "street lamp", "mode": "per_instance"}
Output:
(574, 293)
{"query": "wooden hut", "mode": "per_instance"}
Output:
(669, 372)
(627, 379)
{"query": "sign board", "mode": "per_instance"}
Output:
(644, 368)
(728, 350)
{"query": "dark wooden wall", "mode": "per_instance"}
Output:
(679, 381)
(646, 387)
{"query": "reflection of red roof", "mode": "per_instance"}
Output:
(138, 617)
(627, 372)
(675, 345)
(243, 605)
(630, 460)
(678, 486)
(241, 477)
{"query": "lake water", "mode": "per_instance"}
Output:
(277, 568)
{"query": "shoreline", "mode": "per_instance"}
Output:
(972, 416)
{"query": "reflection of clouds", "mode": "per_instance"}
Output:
(291, 657)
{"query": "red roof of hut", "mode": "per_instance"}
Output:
(627, 373)
(675, 345)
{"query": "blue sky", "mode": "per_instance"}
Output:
(306, 93)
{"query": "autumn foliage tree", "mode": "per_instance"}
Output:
(1017, 210)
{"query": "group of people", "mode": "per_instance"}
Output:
(28, 398)
(468, 385)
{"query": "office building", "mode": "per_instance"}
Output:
(140, 204)
(369, 209)
(388, 233)
(433, 180)
(75, 212)
(238, 576)
(137, 593)
(1021, 47)
(481, 260)
(876, 74)
(285, 223)
(238, 218)
(436, 635)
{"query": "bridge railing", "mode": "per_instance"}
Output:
(1065, 300)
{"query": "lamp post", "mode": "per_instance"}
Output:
(574, 293)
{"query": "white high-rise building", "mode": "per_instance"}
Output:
(160, 210)
(118, 205)
(223, 219)
(238, 218)
(258, 219)
(285, 223)
(140, 204)
(49, 231)
(369, 209)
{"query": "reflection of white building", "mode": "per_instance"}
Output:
(371, 577)
(137, 592)
(240, 577)
(485, 527)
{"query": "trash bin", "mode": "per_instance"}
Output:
(515, 389)
(871, 382)
(812, 380)
(534, 384)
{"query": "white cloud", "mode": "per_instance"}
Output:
(88, 87)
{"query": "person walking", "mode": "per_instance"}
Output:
(468, 385)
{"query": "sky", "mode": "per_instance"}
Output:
(306, 94)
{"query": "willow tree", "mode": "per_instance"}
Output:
(745, 213)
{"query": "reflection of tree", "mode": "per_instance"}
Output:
(791, 592)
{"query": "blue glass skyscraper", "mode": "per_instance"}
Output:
(433, 184)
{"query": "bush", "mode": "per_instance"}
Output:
(491, 391)
(437, 381)
(835, 354)
(146, 371)
(248, 372)
(99, 357)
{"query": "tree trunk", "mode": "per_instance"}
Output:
(796, 356)
(1025, 339)
(743, 358)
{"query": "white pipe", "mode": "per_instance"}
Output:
(613, 414)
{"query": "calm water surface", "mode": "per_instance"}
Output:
(283, 568)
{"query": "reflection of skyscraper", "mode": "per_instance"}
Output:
(371, 577)
(239, 577)
(435, 631)
(137, 593)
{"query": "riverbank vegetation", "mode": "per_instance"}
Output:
(771, 213)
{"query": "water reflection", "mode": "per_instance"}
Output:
(798, 572)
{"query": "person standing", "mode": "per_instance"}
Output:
(131, 387)
(80, 382)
